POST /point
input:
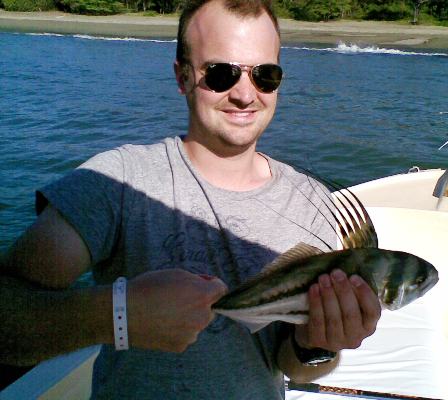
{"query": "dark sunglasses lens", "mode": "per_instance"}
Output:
(267, 77)
(222, 76)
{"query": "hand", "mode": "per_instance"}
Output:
(342, 313)
(168, 309)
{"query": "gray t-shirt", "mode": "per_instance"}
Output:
(141, 208)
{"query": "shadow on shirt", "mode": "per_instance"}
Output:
(132, 229)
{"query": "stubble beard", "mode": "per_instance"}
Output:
(225, 143)
(228, 140)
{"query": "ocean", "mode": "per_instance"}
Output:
(348, 113)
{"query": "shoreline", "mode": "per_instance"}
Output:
(363, 33)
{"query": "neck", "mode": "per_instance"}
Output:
(241, 170)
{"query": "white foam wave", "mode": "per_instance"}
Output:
(344, 48)
(115, 39)
(44, 34)
(122, 39)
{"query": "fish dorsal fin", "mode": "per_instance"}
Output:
(355, 227)
(295, 254)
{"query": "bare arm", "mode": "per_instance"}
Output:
(49, 254)
(43, 317)
(39, 324)
(343, 312)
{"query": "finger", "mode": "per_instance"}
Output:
(368, 302)
(332, 312)
(316, 323)
(214, 288)
(351, 315)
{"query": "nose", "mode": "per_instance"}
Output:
(243, 93)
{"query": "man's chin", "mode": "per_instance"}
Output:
(237, 143)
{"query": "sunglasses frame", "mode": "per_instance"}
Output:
(242, 68)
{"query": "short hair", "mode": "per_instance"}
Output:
(242, 8)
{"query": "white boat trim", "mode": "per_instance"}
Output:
(62, 377)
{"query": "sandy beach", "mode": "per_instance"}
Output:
(364, 33)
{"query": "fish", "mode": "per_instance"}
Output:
(279, 291)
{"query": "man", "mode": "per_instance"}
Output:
(179, 219)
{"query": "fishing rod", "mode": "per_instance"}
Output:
(359, 393)
(443, 145)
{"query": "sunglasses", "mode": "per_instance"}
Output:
(220, 77)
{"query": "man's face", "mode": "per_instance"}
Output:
(230, 121)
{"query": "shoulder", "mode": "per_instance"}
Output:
(143, 151)
(131, 153)
(131, 159)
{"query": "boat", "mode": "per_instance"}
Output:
(407, 354)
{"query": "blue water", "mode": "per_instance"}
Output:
(350, 114)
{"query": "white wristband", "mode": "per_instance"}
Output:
(119, 311)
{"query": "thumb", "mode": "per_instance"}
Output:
(215, 288)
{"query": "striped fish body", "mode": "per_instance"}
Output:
(279, 292)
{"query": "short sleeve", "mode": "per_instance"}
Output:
(90, 199)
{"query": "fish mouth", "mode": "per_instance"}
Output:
(430, 282)
(393, 299)
(405, 294)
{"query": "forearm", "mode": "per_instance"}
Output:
(38, 324)
(298, 372)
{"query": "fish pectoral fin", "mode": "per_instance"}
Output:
(297, 253)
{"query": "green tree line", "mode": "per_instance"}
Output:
(414, 11)
(382, 10)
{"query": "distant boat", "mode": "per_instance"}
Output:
(408, 352)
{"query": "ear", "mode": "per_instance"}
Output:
(181, 77)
